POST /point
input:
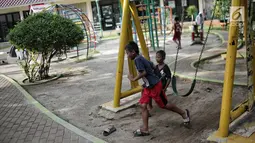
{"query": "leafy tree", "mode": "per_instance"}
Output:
(222, 9)
(44, 35)
(192, 10)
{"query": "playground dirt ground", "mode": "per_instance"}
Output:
(77, 96)
(204, 104)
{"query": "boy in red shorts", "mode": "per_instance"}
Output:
(177, 32)
(152, 88)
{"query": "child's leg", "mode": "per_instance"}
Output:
(174, 108)
(161, 99)
(180, 45)
(175, 39)
(176, 42)
(145, 117)
(150, 105)
(144, 101)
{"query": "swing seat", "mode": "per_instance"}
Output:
(174, 87)
(195, 31)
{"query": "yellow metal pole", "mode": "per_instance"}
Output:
(249, 53)
(239, 110)
(253, 62)
(253, 49)
(229, 73)
(245, 3)
(130, 92)
(131, 65)
(121, 55)
(139, 31)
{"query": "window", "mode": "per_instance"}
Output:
(16, 18)
(2, 18)
(25, 14)
(116, 11)
(3, 28)
(94, 12)
(7, 22)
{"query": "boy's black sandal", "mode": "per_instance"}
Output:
(109, 130)
(187, 120)
(139, 133)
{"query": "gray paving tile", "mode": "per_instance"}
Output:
(21, 122)
(59, 139)
(38, 133)
(45, 135)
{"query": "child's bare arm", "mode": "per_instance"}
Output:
(139, 76)
(172, 28)
(168, 75)
(167, 84)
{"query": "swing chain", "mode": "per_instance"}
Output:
(178, 48)
(207, 35)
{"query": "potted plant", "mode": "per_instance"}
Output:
(191, 11)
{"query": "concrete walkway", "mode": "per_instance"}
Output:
(186, 66)
(24, 120)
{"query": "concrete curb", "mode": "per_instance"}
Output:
(110, 38)
(219, 35)
(206, 58)
(39, 82)
(213, 56)
(53, 116)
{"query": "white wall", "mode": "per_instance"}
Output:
(89, 11)
(201, 5)
(80, 4)
(206, 5)
(16, 9)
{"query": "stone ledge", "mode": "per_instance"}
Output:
(39, 82)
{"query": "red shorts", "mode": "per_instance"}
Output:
(156, 93)
(177, 36)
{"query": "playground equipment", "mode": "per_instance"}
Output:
(196, 35)
(129, 8)
(153, 21)
(163, 13)
(174, 83)
(241, 12)
(152, 24)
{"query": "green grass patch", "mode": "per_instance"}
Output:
(93, 51)
(113, 37)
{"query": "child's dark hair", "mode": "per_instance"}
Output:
(162, 53)
(132, 46)
(176, 18)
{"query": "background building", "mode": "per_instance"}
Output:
(12, 11)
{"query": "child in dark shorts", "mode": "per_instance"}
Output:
(152, 89)
(177, 28)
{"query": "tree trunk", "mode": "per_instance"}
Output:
(48, 61)
(41, 67)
